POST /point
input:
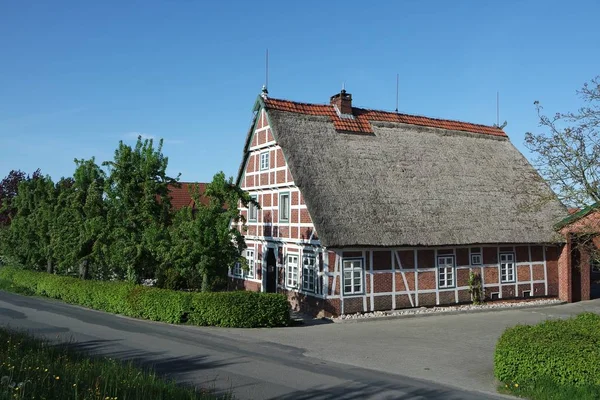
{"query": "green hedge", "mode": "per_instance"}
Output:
(227, 309)
(559, 353)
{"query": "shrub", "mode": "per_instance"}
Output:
(227, 309)
(240, 309)
(564, 353)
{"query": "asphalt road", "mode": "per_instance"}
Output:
(224, 360)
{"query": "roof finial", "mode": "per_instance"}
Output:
(264, 93)
(343, 86)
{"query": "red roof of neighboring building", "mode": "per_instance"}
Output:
(181, 197)
(362, 117)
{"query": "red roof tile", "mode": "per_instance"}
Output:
(362, 117)
(181, 197)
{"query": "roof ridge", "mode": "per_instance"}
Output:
(371, 115)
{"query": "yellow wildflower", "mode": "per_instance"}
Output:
(516, 385)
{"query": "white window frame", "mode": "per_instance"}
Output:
(280, 213)
(237, 269)
(291, 271)
(253, 209)
(265, 160)
(251, 263)
(508, 268)
(356, 268)
(309, 272)
(476, 256)
(446, 271)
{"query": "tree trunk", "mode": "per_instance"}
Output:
(83, 269)
(50, 267)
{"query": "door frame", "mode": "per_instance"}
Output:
(266, 248)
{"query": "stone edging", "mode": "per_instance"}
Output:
(438, 313)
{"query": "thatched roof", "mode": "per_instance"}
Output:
(414, 185)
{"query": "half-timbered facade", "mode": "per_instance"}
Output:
(364, 210)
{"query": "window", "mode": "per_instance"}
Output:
(445, 271)
(291, 271)
(353, 276)
(284, 207)
(475, 259)
(264, 160)
(237, 269)
(309, 272)
(252, 210)
(476, 256)
(507, 267)
(250, 260)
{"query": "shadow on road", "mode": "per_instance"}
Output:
(376, 390)
(168, 366)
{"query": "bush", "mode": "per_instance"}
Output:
(227, 309)
(562, 353)
(240, 309)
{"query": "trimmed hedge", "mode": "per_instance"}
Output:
(227, 309)
(563, 353)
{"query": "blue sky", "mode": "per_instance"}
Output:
(76, 77)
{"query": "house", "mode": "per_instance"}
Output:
(365, 210)
(579, 266)
(181, 195)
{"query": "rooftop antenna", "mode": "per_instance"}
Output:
(397, 79)
(498, 108)
(343, 86)
(265, 92)
(497, 125)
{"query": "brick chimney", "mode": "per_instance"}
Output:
(343, 102)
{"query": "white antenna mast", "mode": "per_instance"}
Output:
(397, 84)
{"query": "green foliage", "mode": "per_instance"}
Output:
(228, 309)
(118, 223)
(38, 369)
(206, 242)
(476, 288)
(564, 354)
(240, 309)
(138, 209)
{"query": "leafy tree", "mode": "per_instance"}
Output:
(567, 153)
(138, 208)
(28, 238)
(8, 191)
(206, 242)
(80, 229)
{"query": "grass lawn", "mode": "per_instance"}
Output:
(36, 369)
(547, 390)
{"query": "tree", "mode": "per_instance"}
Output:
(29, 234)
(138, 208)
(206, 243)
(8, 191)
(567, 154)
(80, 228)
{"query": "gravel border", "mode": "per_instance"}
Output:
(447, 310)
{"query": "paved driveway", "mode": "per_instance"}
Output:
(455, 350)
(433, 357)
